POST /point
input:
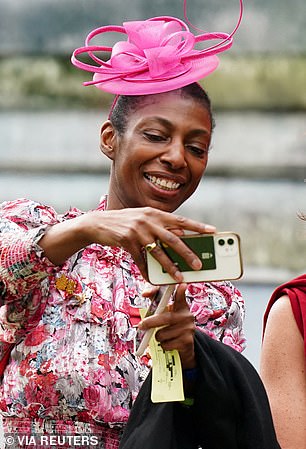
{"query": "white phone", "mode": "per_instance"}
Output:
(220, 254)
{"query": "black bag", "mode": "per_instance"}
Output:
(231, 409)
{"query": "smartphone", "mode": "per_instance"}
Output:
(220, 254)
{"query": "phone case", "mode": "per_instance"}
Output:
(220, 254)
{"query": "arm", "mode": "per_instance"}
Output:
(131, 229)
(34, 241)
(283, 372)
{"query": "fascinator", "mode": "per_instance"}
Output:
(158, 55)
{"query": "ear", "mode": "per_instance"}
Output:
(108, 139)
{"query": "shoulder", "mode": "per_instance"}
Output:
(282, 369)
(281, 324)
(280, 315)
(283, 343)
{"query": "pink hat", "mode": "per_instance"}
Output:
(159, 55)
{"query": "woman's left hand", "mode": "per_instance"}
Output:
(177, 330)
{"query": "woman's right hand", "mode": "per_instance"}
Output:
(131, 229)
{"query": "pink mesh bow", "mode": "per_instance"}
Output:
(157, 49)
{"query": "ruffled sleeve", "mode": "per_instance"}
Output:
(24, 269)
(22, 262)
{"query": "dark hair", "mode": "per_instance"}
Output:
(126, 104)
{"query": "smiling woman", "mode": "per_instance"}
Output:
(160, 155)
(71, 285)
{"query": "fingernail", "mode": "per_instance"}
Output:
(178, 276)
(210, 228)
(196, 264)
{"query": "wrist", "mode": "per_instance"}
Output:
(86, 228)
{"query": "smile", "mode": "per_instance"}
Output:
(162, 183)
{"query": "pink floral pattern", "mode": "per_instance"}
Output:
(76, 362)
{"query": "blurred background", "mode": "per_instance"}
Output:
(256, 179)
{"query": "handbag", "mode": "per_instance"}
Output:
(231, 408)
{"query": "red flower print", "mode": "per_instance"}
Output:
(37, 336)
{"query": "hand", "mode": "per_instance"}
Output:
(178, 328)
(132, 229)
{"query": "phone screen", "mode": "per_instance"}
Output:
(202, 246)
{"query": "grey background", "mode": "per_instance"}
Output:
(56, 25)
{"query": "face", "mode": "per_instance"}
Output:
(160, 159)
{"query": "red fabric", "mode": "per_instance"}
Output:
(134, 315)
(5, 355)
(296, 291)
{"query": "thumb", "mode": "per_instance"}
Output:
(180, 302)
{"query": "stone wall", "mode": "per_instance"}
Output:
(261, 82)
(58, 26)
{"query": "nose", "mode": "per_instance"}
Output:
(174, 155)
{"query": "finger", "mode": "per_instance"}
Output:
(140, 260)
(159, 320)
(183, 331)
(173, 319)
(150, 290)
(179, 336)
(178, 232)
(181, 222)
(180, 302)
(173, 221)
(177, 244)
(159, 254)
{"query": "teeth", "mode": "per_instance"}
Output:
(164, 183)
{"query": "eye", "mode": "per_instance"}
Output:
(197, 151)
(152, 137)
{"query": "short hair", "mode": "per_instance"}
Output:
(125, 104)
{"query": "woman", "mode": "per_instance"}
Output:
(77, 363)
(283, 361)
(71, 285)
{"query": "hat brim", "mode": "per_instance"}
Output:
(198, 69)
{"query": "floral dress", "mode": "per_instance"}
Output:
(73, 370)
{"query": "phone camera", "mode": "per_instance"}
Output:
(230, 241)
(221, 242)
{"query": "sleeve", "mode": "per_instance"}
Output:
(22, 262)
(24, 270)
(219, 312)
